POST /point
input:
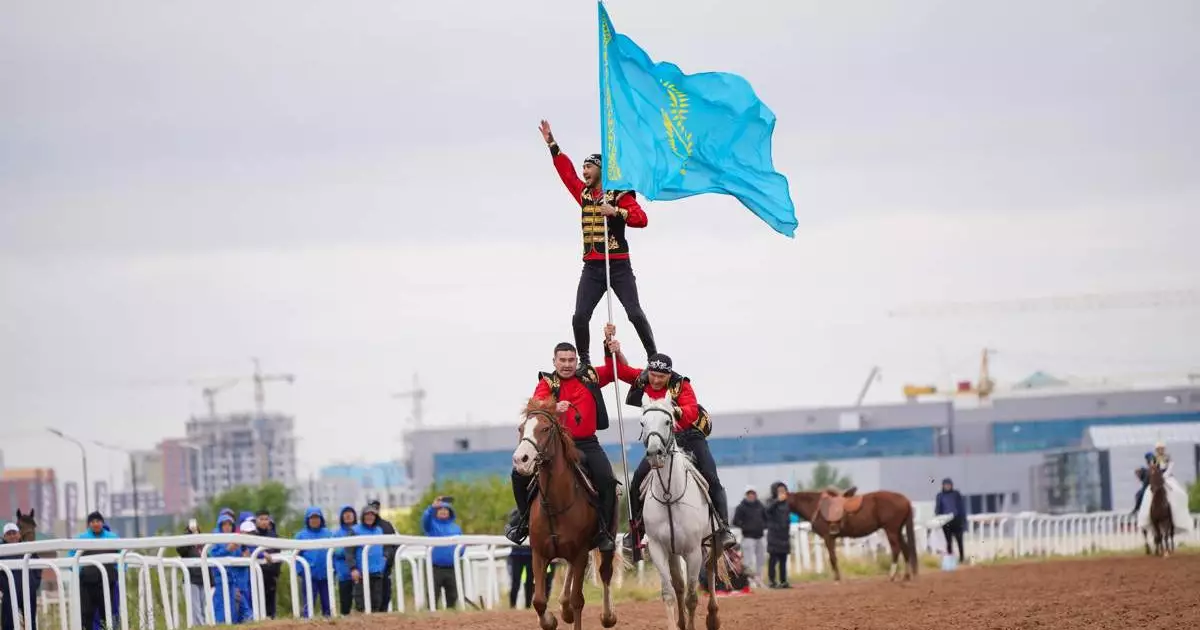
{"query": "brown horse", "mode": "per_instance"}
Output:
(562, 521)
(1162, 522)
(840, 514)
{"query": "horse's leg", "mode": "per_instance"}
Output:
(564, 600)
(677, 584)
(695, 564)
(578, 578)
(661, 560)
(608, 618)
(831, 546)
(545, 619)
(1146, 540)
(711, 620)
(894, 543)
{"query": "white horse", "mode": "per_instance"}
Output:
(677, 518)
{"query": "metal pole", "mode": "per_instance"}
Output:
(616, 381)
(137, 515)
(87, 504)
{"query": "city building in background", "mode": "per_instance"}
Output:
(242, 449)
(28, 489)
(1022, 449)
(355, 484)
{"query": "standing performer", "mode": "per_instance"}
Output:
(576, 389)
(692, 426)
(621, 209)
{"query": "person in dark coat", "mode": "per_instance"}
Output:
(778, 535)
(195, 576)
(950, 501)
(12, 536)
(389, 554)
(750, 516)
(264, 526)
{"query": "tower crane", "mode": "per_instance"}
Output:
(260, 379)
(417, 394)
(211, 391)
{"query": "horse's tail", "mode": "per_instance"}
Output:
(910, 540)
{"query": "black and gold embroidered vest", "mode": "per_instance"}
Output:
(593, 224)
(638, 389)
(591, 381)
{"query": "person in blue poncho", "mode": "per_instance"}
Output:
(372, 561)
(345, 564)
(91, 585)
(439, 520)
(239, 578)
(314, 529)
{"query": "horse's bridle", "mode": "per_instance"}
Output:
(668, 441)
(543, 456)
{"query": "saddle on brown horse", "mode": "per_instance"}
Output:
(836, 504)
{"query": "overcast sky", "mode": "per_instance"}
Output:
(357, 191)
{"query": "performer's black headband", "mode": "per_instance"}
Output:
(659, 363)
(593, 159)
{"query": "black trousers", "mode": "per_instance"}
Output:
(591, 290)
(270, 588)
(524, 564)
(954, 531)
(348, 592)
(691, 441)
(444, 582)
(386, 578)
(777, 566)
(91, 603)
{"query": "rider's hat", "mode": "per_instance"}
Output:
(659, 362)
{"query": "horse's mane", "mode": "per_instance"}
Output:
(569, 453)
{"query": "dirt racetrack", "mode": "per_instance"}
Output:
(1118, 593)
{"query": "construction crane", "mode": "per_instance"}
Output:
(210, 394)
(417, 394)
(1079, 302)
(260, 379)
(982, 388)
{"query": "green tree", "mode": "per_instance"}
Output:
(826, 476)
(1194, 497)
(481, 506)
(271, 496)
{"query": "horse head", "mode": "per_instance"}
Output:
(27, 524)
(540, 437)
(1156, 479)
(658, 431)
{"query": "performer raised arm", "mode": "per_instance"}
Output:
(692, 427)
(622, 210)
(579, 385)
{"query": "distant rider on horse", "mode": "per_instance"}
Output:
(1143, 475)
(621, 210)
(576, 389)
(692, 427)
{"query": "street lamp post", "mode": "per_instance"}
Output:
(87, 505)
(137, 516)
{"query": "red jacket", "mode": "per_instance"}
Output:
(574, 391)
(689, 407)
(636, 217)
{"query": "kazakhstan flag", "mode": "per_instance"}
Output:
(670, 135)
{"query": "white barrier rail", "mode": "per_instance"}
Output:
(477, 568)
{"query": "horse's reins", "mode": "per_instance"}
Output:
(671, 447)
(543, 456)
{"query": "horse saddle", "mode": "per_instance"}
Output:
(836, 504)
(580, 474)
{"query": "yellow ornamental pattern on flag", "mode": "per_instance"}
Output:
(610, 120)
(674, 119)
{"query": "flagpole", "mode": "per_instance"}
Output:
(616, 380)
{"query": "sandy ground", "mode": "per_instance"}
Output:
(1118, 593)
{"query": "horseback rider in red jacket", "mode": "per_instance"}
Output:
(692, 427)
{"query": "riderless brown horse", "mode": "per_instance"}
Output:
(1162, 522)
(841, 514)
(562, 520)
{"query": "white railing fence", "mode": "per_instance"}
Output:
(478, 568)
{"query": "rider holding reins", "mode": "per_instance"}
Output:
(581, 410)
(691, 431)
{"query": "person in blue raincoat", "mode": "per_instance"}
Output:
(314, 529)
(91, 585)
(372, 560)
(239, 578)
(345, 563)
(439, 520)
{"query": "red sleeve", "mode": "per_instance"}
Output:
(688, 406)
(637, 217)
(542, 390)
(628, 373)
(604, 373)
(570, 179)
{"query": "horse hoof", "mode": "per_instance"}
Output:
(552, 625)
(608, 621)
(568, 615)
(712, 622)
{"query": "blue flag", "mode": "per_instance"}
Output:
(670, 135)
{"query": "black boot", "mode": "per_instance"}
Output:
(518, 529)
(722, 537)
(604, 540)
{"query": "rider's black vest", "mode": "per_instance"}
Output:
(674, 386)
(591, 381)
